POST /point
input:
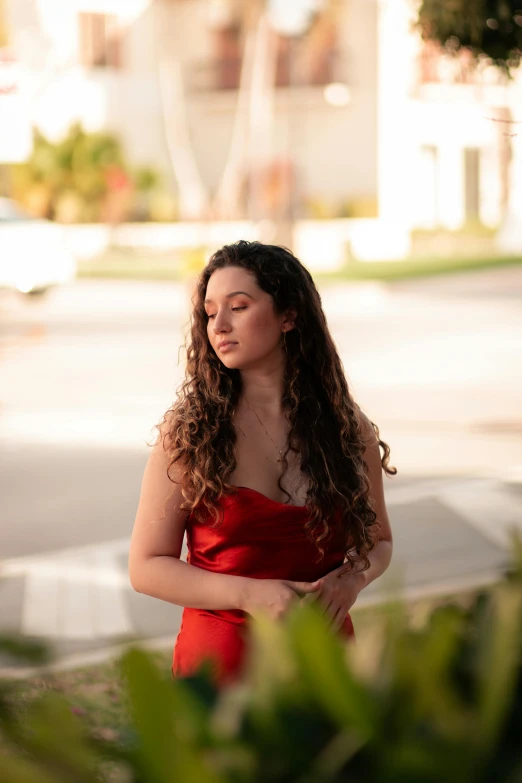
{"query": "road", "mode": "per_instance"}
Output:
(86, 372)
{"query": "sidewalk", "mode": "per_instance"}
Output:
(435, 363)
(449, 535)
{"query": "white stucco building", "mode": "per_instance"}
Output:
(405, 135)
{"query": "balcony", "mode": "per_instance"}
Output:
(224, 74)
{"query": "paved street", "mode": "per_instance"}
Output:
(86, 372)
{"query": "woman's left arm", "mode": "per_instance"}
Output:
(338, 591)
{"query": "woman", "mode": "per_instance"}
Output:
(265, 460)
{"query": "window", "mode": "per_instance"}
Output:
(427, 191)
(227, 56)
(472, 183)
(99, 41)
(310, 60)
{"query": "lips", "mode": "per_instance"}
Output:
(225, 343)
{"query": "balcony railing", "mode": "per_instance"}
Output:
(434, 66)
(225, 73)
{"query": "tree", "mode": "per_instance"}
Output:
(253, 121)
(250, 172)
(193, 193)
(82, 177)
(270, 183)
(491, 28)
(492, 31)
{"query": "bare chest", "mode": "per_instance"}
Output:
(258, 466)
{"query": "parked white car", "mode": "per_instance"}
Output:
(33, 254)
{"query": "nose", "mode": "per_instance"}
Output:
(219, 323)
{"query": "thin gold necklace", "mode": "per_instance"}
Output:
(265, 429)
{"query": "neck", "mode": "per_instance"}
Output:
(263, 390)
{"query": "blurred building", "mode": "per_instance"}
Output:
(364, 121)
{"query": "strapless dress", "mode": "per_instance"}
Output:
(259, 538)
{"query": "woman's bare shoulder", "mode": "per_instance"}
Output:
(160, 520)
(367, 429)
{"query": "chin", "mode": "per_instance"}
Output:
(226, 360)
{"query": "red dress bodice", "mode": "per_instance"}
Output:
(259, 538)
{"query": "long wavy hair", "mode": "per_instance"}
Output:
(326, 427)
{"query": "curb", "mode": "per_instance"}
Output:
(83, 660)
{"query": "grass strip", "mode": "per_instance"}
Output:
(172, 267)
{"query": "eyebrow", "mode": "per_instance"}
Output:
(229, 296)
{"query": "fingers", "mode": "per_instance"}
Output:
(302, 588)
(312, 591)
(338, 619)
(329, 602)
(335, 614)
(309, 598)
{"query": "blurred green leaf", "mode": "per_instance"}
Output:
(55, 738)
(17, 770)
(499, 664)
(167, 720)
(323, 669)
(444, 703)
(22, 649)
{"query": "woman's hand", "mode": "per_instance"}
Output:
(273, 597)
(337, 594)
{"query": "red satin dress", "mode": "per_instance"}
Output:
(259, 538)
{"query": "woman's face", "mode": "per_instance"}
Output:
(242, 313)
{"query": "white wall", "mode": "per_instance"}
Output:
(448, 117)
(349, 136)
(451, 126)
(396, 139)
(335, 147)
(45, 34)
(510, 235)
(322, 245)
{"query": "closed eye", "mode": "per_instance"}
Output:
(234, 309)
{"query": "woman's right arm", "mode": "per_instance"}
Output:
(155, 567)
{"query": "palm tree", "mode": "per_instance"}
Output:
(251, 145)
(251, 148)
(194, 197)
(251, 126)
(253, 122)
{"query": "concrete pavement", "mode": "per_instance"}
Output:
(449, 535)
(86, 373)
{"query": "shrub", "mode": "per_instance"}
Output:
(84, 177)
(437, 703)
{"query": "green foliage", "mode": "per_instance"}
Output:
(441, 702)
(82, 178)
(4, 37)
(28, 650)
(318, 208)
(486, 27)
(146, 179)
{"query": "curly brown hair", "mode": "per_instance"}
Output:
(327, 427)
